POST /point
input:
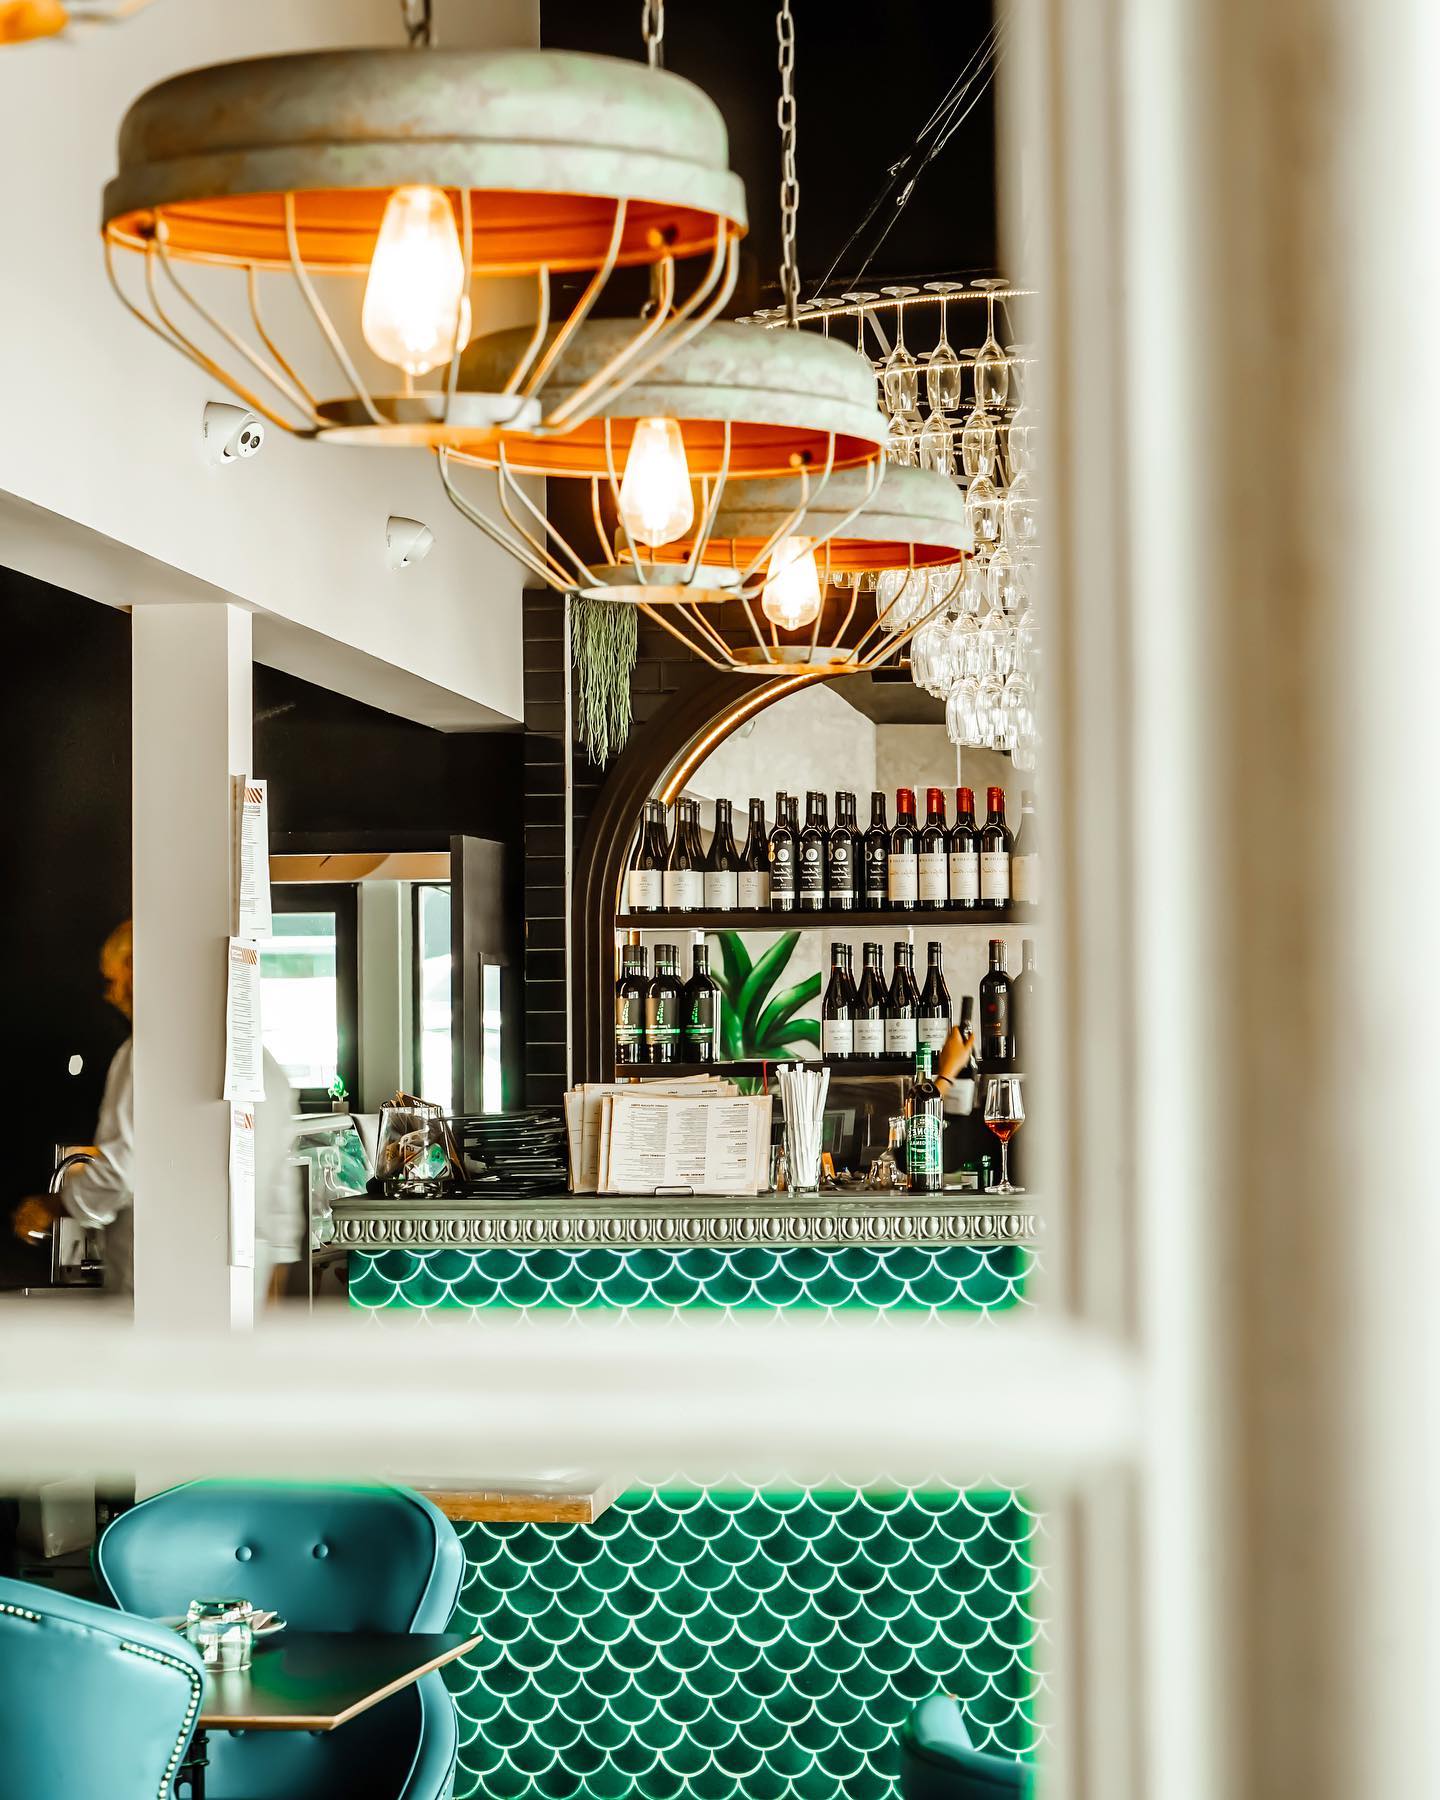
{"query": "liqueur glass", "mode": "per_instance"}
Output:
(1004, 1114)
(942, 368)
(992, 368)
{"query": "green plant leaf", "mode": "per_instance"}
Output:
(785, 1005)
(762, 978)
(798, 1031)
(732, 1035)
(734, 959)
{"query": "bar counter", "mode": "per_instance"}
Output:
(735, 1641)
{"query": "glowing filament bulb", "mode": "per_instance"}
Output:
(415, 299)
(655, 498)
(792, 586)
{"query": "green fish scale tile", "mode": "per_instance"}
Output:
(733, 1644)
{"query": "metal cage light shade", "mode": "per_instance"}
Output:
(280, 170)
(745, 404)
(913, 520)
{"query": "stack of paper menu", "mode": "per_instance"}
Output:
(695, 1136)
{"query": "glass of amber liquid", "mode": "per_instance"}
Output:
(1004, 1114)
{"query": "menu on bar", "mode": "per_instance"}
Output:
(657, 1144)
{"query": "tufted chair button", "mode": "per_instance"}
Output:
(320, 1552)
(244, 1553)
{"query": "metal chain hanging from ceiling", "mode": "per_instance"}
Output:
(789, 179)
(652, 29)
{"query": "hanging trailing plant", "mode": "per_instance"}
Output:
(603, 639)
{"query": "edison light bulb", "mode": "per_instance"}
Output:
(655, 498)
(792, 586)
(415, 296)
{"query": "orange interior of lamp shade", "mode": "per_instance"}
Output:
(841, 554)
(754, 449)
(511, 233)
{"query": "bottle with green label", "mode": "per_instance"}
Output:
(699, 1009)
(924, 1136)
(630, 992)
(663, 999)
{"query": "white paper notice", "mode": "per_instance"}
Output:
(242, 1187)
(244, 1050)
(252, 861)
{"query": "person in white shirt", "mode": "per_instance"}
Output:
(100, 1192)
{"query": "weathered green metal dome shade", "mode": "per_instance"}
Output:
(323, 232)
(661, 457)
(820, 607)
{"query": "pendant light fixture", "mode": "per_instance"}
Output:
(320, 232)
(659, 458)
(692, 434)
(835, 598)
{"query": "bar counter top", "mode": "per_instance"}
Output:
(370, 1224)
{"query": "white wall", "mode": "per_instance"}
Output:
(811, 738)
(100, 423)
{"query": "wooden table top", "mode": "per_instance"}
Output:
(316, 1680)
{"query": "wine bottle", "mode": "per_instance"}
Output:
(645, 890)
(932, 1016)
(995, 1013)
(877, 856)
(995, 842)
(925, 1128)
(903, 887)
(630, 992)
(964, 854)
(933, 871)
(966, 1085)
(662, 1007)
(699, 1009)
(684, 887)
(783, 848)
(722, 865)
(901, 1004)
(1024, 1009)
(870, 1004)
(842, 854)
(755, 862)
(1025, 856)
(837, 1010)
(812, 854)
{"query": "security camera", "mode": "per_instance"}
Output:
(407, 541)
(230, 432)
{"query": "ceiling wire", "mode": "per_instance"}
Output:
(956, 105)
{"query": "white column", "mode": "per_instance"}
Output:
(191, 733)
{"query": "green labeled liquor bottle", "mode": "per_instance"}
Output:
(630, 992)
(925, 1132)
(663, 1000)
(700, 1008)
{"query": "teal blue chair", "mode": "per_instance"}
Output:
(96, 1702)
(326, 1559)
(938, 1762)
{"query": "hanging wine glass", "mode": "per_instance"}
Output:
(962, 718)
(937, 445)
(969, 647)
(1022, 514)
(972, 588)
(942, 367)
(992, 368)
(1019, 443)
(987, 710)
(899, 373)
(984, 511)
(1027, 642)
(1004, 582)
(979, 445)
(888, 586)
(902, 441)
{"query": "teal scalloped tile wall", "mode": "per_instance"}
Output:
(751, 1644)
(941, 1278)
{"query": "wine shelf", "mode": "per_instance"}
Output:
(752, 919)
